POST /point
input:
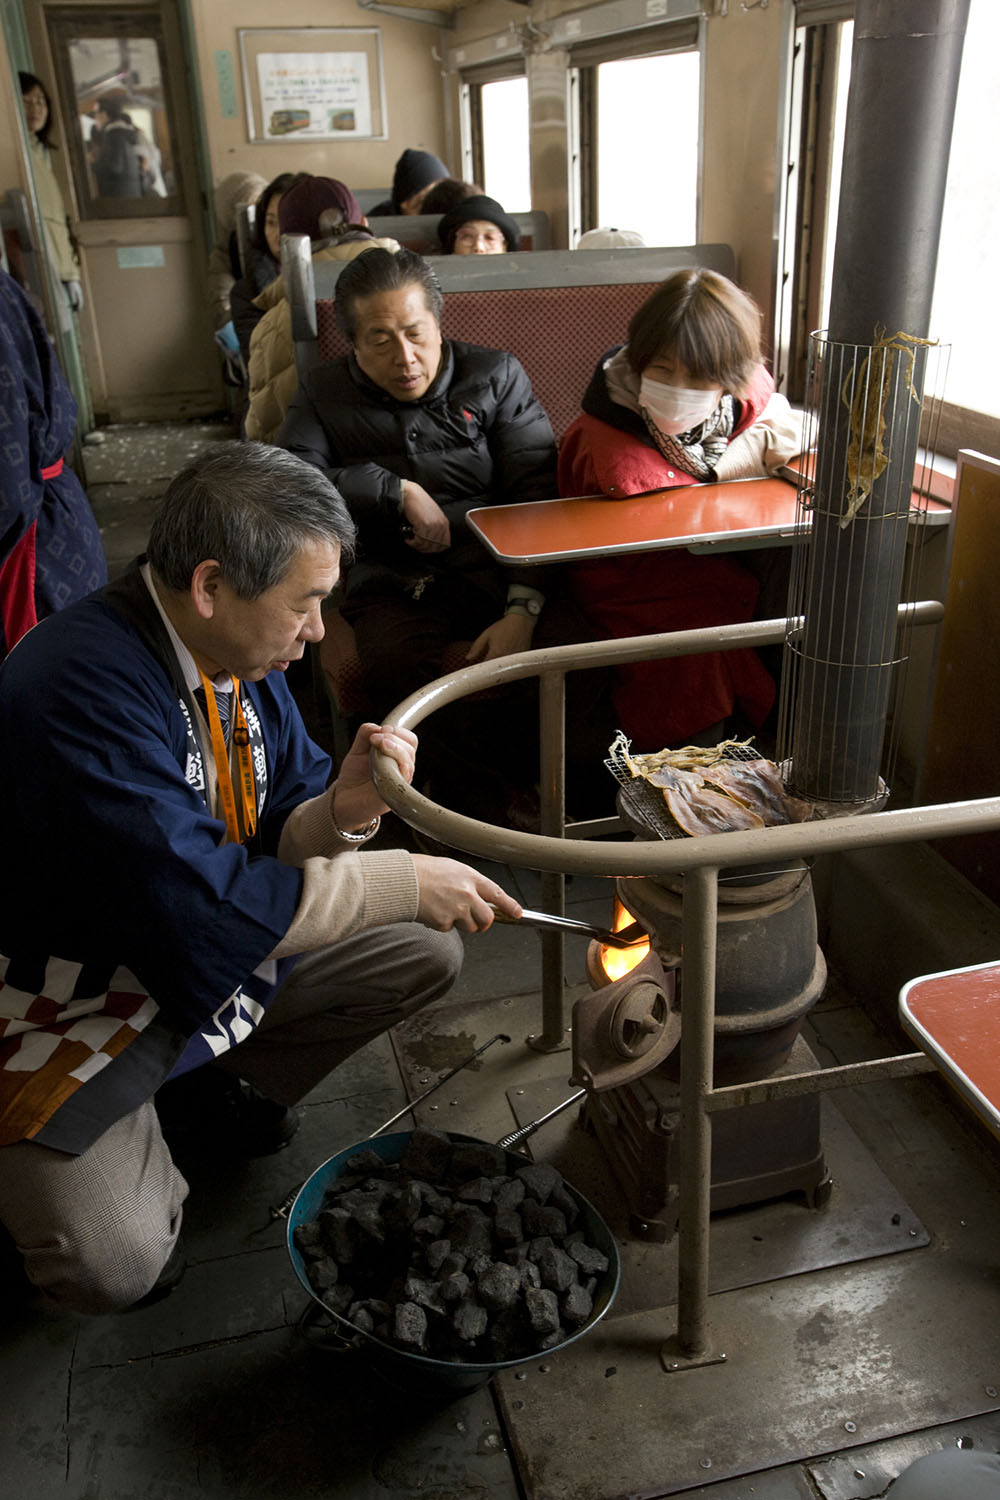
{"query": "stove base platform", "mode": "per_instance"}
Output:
(763, 1151)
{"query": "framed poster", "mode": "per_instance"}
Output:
(314, 83)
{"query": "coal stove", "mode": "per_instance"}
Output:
(769, 973)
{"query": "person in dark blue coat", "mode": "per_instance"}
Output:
(184, 899)
(50, 546)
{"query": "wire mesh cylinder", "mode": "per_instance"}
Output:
(867, 419)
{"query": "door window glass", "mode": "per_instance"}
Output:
(113, 89)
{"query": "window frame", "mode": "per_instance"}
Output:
(684, 35)
(473, 140)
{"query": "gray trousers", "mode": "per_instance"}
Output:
(96, 1230)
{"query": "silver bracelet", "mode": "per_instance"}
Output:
(366, 833)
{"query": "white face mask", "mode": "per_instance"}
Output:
(676, 408)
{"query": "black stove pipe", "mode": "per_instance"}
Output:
(904, 79)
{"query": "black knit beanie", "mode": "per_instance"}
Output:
(477, 208)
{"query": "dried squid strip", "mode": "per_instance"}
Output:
(757, 784)
(697, 808)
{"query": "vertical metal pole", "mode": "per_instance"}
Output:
(698, 938)
(904, 80)
(552, 742)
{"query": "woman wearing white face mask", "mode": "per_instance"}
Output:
(685, 401)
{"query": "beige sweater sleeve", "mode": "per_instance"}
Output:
(773, 439)
(344, 890)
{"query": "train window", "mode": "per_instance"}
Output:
(968, 231)
(496, 135)
(629, 137)
(506, 160)
(112, 83)
(966, 268)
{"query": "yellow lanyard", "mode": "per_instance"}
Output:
(241, 741)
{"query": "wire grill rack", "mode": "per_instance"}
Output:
(644, 805)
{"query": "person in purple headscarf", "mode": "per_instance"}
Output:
(50, 547)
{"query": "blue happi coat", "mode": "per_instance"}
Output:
(131, 935)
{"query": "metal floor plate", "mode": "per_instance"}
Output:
(814, 1364)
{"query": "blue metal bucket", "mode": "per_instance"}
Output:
(415, 1372)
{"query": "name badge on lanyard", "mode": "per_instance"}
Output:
(246, 788)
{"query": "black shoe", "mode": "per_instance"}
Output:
(263, 1125)
(211, 1113)
(168, 1278)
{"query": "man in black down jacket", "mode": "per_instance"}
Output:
(415, 431)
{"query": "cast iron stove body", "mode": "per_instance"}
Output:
(769, 973)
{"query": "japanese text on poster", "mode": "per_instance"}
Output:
(314, 94)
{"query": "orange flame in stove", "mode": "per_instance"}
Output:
(617, 962)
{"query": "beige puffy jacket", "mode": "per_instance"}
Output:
(272, 374)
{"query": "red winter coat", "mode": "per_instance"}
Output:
(660, 703)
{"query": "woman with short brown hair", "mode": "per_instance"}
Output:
(685, 401)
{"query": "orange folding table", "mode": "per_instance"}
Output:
(736, 514)
(954, 1017)
(739, 513)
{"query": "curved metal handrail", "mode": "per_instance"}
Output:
(698, 860)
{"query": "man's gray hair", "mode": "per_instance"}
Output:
(251, 507)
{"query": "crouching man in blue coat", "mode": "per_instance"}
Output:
(183, 897)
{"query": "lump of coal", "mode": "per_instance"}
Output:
(499, 1286)
(540, 1180)
(508, 1228)
(476, 1159)
(437, 1253)
(409, 1326)
(477, 1190)
(470, 1321)
(427, 1154)
(335, 1225)
(309, 1239)
(365, 1163)
(556, 1269)
(470, 1233)
(323, 1275)
(454, 1288)
(543, 1309)
(577, 1305)
(588, 1258)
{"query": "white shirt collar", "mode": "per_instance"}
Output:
(189, 667)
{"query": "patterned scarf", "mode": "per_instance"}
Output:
(696, 451)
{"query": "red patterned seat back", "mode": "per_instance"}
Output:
(558, 333)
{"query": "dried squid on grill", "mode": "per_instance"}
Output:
(715, 789)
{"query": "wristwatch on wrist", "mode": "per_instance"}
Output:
(524, 604)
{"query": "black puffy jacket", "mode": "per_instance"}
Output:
(477, 437)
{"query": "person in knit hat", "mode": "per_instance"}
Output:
(478, 226)
(320, 207)
(415, 174)
(328, 212)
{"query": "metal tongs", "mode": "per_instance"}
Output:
(626, 938)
